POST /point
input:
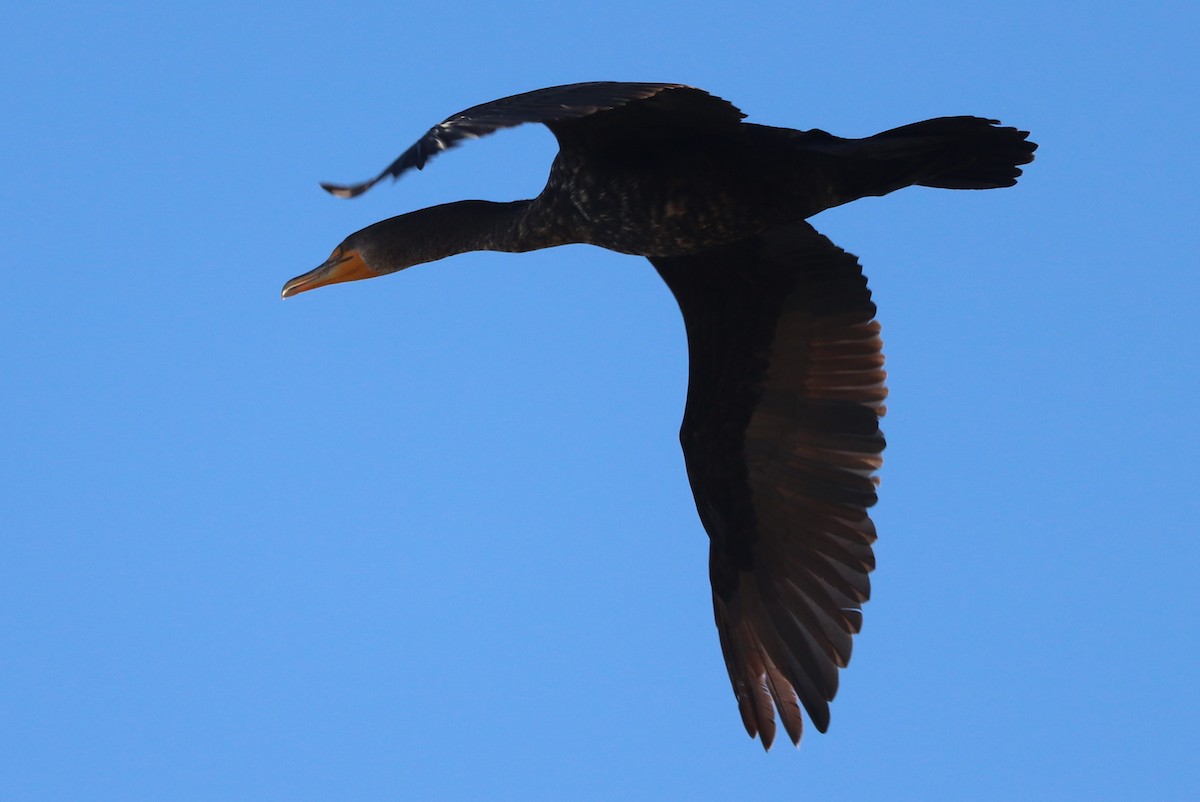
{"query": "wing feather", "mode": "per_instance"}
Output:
(563, 108)
(781, 440)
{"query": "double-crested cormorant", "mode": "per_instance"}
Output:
(786, 385)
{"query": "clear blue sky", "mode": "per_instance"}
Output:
(430, 537)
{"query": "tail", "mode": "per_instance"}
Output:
(952, 153)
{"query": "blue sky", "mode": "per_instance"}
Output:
(430, 537)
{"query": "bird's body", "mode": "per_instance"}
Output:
(786, 387)
(670, 199)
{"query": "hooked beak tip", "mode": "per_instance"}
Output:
(290, 289)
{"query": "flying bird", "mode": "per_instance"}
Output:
(780, 430)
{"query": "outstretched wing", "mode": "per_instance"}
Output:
(781, 439)
(673, 104)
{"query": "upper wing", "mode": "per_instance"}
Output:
(675, 104)
(781, 438)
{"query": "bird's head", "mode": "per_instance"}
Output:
(411, 239)
(378, 249)
(350, 261)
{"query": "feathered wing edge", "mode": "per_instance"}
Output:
(550, 105)
(803, 393)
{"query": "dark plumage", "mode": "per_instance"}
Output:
(781, 427)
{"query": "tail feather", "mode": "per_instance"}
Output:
(956, 152)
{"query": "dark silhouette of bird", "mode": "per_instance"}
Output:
(780, 429)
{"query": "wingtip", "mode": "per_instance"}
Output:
(346, 191)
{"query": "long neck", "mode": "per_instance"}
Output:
(452, 228)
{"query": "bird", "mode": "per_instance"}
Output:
(786, 386)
